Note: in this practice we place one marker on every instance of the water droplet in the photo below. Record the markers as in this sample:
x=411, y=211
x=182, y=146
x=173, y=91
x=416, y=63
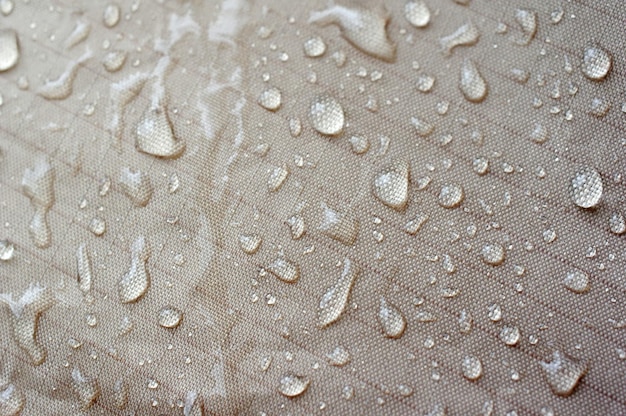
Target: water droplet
x=86, y=388
x=296, y=226
x=7, y=250
x=617, y=225
x=599, y=107
x=250, y=243
x=472, y=368
x=471, y=83
x=38, y=185
x=314, y=47
x=495, y=312
x=439, y=409
x=466, y=35
x=556, y=15
x=359, y=144
x=111, y=15
x=295, y=127
x=577, y=281
x=12, y=401
x=492, y=254
x=62, y=87
x=391, y=186
x=563, y=373
x=277, y=178
x=125, y=326
x=465, y=322
x=364, y=29
x=338, y=357
x=391, y=320
x=549, y=236
x=120, y=394
x=451, y=195
x=422, y=127
x=91, y=320
x=136, y=186
x=170, y=317
x=154, y=135
x=83, y=265
x=292, y=385
x=425, y=83
x=326, y=115
x=81, y=31
x=519, y=75
x=414, y=225
x=97, y=226
x=586, y=187
x=339, y=226
x=527, y=21
x=114, y=61
x=136, y=281
x=270, y=99
x=510, y=335
x=173, y=183
x=285, y=270
x=480, y=165
x=596, y=63
x=334, y=301
x=539, y=134
x=6, y=7
x=9, y=49
x=417, y=13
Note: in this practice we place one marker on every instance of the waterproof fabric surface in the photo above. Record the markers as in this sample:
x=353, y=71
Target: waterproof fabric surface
x=287, y=208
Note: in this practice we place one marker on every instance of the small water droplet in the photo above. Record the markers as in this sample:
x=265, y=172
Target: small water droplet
x=422, y=127
x=510, y=335
x=296, y=226
x=359, y=144
x=9, y=49
x=577, y=281
x=136, y=281
x=417, y=13
x=111, y=15
x=285, y=270
x=338, y=357
x=465, y=322
x=270, y=99
x=425, y=83
x=466, y=35
x=391, y=320
x=335, y=300
x=471, y=83
x=85, y=271
x=492, y=254
x=97, y=226
x=539, y=134
x=136, y=186
x=38, y=186
x=295, y=126
x=586, y=187
x=314, y=47
x=250, y=243
x=599, y=107
x=114, y=61
x=326, y=115
x=519, y=75
x=87, y=389
x=391, y=186
x=563, y=373
x=154, y=135
x=170, y=317
x=342, y=227
x=120, y=394
x=7, y=250
x=472, y=368
x=527, y=21
x=62, y=87
x=596, y=63
x=480, y=165
x=292, y=385
x=556, y=15
x=414, y=225
x=451, y=195
x=617, y=225
x=495, y=312
x=277, y=178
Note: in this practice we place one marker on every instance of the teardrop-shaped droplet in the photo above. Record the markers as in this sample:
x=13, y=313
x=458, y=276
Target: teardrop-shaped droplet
x=292, y=385
x=451, y=195
x=12, y=401
x=154, y=134
x=577, y=281
x=120, y=394
x=38, y=228
x=563, y=373
x=136, y=281
x=510, y=335
x=314, y=47
x=527, y=21
x=60, y=88
x=270, y=99
x=111, y=15
x=250, y=243
x=296, y=226
x=277, y=178
x=85, y=271
x=492, y=254
x=342, y=227
x=466, y=35
x=417, y=13
x=539, y=134
x=391, y=320
x=136, y=186
x=363, y=28
x=596, y=63
x=338, y=357
x=97, y=226
x=586, y=187
x=472, y=368
x=170, y=317
x=9, y=49
x=335, y=300
x=285, y=270
x=471, y=83
x=326, y=115
x=87, y=389
x=7, y=250
x=391, y=186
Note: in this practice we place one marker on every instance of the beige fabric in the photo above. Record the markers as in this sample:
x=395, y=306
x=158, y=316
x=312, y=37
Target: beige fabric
x=237, y=316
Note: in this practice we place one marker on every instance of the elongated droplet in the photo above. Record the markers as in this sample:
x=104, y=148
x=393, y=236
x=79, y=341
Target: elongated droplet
x=292, y=385
x=417, y=13
x=114, y=61
x=563, y=373
x=338, y=357
x=86, y=388
x=136, y=281
x=510, y=335
x=391, y=320
x=38, y=185
x=83, y=265
x=339, y=226
x=414, y=225
x=277, y=178
x=326, y=115
x=170, y=317
x=451, y=195
x=154, y=135
x=81, y=32
x=586, y=187
x=471, y=83
x=120, y=394
x=391, y=186
x=296, y=226
x=472, y=368
x=314, y=47
x=111, y=15
x=7, y=249
x=596, y=63
x=527, y=21
x=136, y=186
x=12, y=401
x=250, y=243
x=285, y=270
x=335, y=300
x=365, y=29
x=466, y=35
x=193, y=405
x=9, y=49
x=577, y=281
x=492, y=254
x=39, y=229
x=62, y=87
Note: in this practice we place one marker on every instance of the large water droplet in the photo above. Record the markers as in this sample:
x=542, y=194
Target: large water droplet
x=417, y=13
x=334, y=301
x=270, y=99
x=285, y=270
x=136, y=281
x=83, y=265
x=342, y=227
x=391, y=186
x=577, y=281
x=596, y=63
x=472, y=368
x=111, y=15
x=471, y=83
x=527, y=21
x=170, y=317
x=365, y=29
x=391, y=320
x=292, y=385
x=87, y=389
x=12, y=401
x=154, y=134
x=466, y=35
x=586, y=187
x=451, y=195
x=326, y=115
x=338, y=357
x=6, y=7
x=9, y=49
x=492, y=254
x=136, y=186
x=314, y=47
x=563, y=373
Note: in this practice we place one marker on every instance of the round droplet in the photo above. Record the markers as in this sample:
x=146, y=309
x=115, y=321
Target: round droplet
x=471, y=83
x=391, y=186
x=111, y=15
x=249, y=243
x=495, y=312
x=292, y=385
x=492, y=254
x=314, y=47
x=480, y=165
x=9, y=49
x=391, y=320
x=577, y=281
x=586, y=187
x=451, y=195
x=472, y=368
x=270, y=99
x=6, y=7
x=338, y=357
x=510, y=335
x=7, y=249
x=596, y=63
x=417, y=13
x=326, y=115
x=170, y=317
x=617, y=223
x=97, y=226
